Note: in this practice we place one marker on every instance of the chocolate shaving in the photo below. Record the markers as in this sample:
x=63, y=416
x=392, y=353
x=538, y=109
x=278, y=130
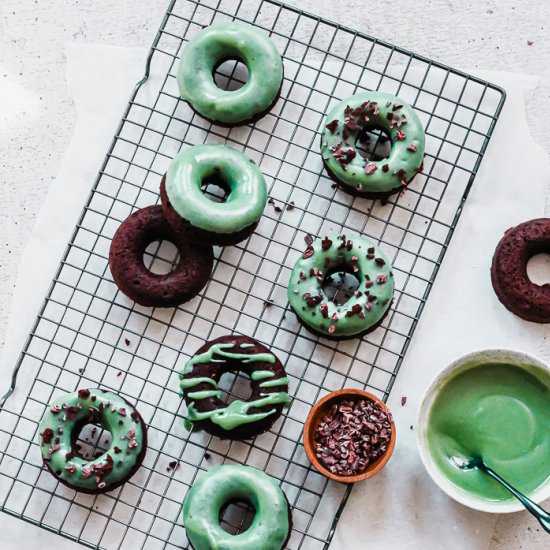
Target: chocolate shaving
x=332, y=126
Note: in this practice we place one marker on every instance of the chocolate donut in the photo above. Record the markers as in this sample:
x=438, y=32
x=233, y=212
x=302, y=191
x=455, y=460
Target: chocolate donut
x=509, y=270
x=238, y=419
x=61, y=425
x=140, y=284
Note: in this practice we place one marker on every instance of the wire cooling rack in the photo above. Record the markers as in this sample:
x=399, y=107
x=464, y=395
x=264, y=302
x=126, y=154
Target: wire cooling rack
x=89, y=334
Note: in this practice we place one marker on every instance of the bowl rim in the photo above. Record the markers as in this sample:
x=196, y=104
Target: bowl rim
x=309, y=427
x=458, y=494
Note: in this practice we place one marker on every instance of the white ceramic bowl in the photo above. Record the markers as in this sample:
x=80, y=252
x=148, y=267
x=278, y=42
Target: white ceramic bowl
x=460, y=495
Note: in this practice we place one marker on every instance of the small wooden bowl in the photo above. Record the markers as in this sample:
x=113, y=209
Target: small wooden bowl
x=316, y=414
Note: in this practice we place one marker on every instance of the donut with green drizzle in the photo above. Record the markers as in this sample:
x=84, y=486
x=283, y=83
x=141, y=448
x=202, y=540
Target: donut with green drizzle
x=215, y=489
x=348, y=123
x=61, y=425
x=368, y=305
x=239, y=419
x=193, y=215
x=209, y=49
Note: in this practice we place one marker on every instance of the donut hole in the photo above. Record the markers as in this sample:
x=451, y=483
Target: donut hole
x=236, y=516
x=215, y=189
x=230, y=75
x=161, y=257
x=538, y=269
x=235, y=385
x=340, y=283
x=373, y=143
x=90, y=441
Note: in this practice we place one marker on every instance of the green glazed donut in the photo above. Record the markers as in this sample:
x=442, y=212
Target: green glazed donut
x=219, y=486
x=364, y=311
x=59, y=429
x=189, y=210
x=207, y=50
x=357, y=175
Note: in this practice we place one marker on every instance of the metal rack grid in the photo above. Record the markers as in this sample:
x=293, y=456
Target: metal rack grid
x=89, y=334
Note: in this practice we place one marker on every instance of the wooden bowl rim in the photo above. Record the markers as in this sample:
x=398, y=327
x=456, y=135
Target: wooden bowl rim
x=309, y=428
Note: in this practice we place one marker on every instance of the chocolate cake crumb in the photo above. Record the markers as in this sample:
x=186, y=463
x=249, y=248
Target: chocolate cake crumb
x=127, y=342
x=403, y=400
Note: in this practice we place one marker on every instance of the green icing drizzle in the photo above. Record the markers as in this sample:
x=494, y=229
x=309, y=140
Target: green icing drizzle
x=236, y=413
x=283, y=381
x=261, y=374
x=219, y=349
x=197, y=395
x=186, y=383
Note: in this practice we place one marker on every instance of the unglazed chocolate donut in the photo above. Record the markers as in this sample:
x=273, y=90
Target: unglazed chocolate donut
x=207, y=50
x=239, y=419
x=509, y=270
x=193, y=215
x=61, y=425
x=140, y=284
x=369, y=178
x=365, y=310
x=272, y=523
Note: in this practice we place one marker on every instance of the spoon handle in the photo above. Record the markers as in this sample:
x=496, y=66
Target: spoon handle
x=542, y=515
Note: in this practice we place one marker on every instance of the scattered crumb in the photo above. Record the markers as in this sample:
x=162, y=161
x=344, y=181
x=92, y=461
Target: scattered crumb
x=411, y=428
x=81, y=370
x=206, y=456
x=290, y=205
x=126, y=341
x=403, y=400
x=119, y=373
x=173, y=465
x=268, y=302
x=530, y=42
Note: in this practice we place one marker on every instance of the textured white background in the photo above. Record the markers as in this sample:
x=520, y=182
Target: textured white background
x=466, y=34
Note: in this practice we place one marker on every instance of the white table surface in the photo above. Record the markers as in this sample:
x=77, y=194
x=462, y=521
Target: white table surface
x=491, y=34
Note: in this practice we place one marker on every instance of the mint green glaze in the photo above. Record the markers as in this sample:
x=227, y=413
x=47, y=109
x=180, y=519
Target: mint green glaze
x=236, y=413
x=500, y=412
x=359, y=313
x=219, y=486
x=186, y=383
x=115, y=415
x=196, y=395
x=261, y=374
x=406, y=155
x=215, y=44
x=248, y=191
x=283, y=381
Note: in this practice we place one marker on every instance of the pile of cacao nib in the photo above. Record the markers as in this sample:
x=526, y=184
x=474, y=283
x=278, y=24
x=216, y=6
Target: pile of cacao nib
x=352, y=435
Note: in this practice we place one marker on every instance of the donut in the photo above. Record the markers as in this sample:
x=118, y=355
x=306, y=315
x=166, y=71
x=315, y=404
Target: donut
x=209, y=49
x=509, y=270
x=213, y=490
x=238, y=419
x=363, y=311
x=192, y=214
x=140, y=284
x=61, y=425
x=350, y=119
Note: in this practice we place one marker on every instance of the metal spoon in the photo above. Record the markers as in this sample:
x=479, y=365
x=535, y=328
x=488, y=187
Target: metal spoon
x=477, y=462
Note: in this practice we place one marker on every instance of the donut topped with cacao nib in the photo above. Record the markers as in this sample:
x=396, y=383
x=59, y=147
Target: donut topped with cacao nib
x=239, y=419
x=509, y=270
x=349, y=123
x=366, y=307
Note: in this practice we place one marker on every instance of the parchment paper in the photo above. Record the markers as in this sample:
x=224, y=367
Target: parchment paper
x=401, y=507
